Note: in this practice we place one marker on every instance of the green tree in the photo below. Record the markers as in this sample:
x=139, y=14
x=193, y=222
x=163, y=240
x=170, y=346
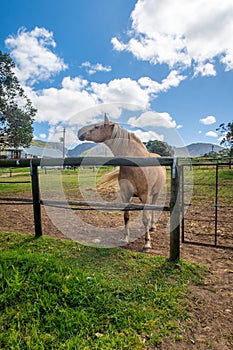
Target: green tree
x=159, y=147
x=226, y=130
x=16, y=110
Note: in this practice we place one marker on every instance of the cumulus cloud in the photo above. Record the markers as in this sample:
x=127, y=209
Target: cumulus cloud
x=74, y=101
x=94, y=68
x=32, y=52
x=77, y=94
x=172, y=80
x=208, y=120
x=184, y=33
x=123, y=90
x=59, y=104
x=152, y=118
x=43, y=136
x=146, y=136
x=56, y=132
x=205, y=69
x=179, y=126
x=211, y=134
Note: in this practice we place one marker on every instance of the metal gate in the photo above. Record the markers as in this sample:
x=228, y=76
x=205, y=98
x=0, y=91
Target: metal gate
x=207, y=219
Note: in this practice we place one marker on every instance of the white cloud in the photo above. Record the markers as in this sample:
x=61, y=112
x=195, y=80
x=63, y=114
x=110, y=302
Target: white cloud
x=227, y=59
x=172, y=80
x=32, y=53
x=94, y=68
x=73, y=103
x=43, y=136
x=123, y=90
x=35, y=61
x=77, y=94
x=151, y=118
x=181, y=32
x=146, y=136
x=56, y=133
x=59, y=105
x=74, y=84
x=203, y=69
x=211, y=134
x=208, y=120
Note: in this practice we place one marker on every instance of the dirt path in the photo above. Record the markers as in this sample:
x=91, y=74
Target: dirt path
x=212, y=302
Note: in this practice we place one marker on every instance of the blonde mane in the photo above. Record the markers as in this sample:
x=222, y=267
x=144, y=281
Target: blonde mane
x=122, y=138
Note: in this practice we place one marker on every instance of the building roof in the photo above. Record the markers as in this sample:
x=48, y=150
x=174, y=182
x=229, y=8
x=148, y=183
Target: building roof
x=41, y=152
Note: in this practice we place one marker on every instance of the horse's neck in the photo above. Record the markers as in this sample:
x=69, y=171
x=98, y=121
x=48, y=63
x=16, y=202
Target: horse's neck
x=126, y=144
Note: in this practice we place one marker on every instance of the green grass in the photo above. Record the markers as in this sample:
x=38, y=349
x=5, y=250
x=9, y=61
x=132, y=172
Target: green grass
x=57, y=294
x=49, y=181
x=204, y=184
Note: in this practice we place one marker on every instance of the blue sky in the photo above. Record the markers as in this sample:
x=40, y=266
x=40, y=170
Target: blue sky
x=164, y=67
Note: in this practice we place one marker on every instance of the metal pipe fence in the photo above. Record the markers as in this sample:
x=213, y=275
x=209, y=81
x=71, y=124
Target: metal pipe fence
x=211, y=205
x=174, y=206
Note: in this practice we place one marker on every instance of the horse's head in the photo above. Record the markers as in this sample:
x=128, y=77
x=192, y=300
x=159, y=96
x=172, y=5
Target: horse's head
x=99, y=132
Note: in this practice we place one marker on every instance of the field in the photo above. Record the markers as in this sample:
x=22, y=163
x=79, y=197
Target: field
x=60, y=295
x=201, y=321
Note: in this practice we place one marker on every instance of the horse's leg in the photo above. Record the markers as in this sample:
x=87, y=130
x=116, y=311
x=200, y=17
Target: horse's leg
x=146, y=218
x=126, y=192
x=146, y=221
x=153, y=201
x=127, y=234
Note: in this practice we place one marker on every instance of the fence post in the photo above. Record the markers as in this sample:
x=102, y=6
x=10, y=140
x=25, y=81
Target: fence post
x=36, y=200
x=175, y=213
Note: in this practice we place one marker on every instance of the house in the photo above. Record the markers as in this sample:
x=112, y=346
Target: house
x=30, y=152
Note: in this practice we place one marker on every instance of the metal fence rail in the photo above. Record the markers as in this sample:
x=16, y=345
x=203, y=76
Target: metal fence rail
x=216, y=228
x=174, y=206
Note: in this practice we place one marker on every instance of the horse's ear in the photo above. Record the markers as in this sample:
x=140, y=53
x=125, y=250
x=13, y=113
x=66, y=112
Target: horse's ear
x=106, y=120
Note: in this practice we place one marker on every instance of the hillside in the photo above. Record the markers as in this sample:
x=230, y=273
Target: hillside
x=193, y=150
x=80, y=149
x=49, y=145
x=197, y=149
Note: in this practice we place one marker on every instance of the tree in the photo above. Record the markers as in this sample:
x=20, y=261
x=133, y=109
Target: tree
x=226, y=130
x=159, y=147
x=16, y=110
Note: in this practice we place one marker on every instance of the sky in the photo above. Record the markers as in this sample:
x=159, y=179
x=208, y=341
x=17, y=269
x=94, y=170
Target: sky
x=164, y=69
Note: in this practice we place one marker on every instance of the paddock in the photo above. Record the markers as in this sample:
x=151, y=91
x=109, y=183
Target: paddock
x=98, y=161
x=217, y=230
x=212, y=301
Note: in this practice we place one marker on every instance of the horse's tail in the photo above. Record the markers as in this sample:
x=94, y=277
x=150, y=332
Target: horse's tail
x=109, y=180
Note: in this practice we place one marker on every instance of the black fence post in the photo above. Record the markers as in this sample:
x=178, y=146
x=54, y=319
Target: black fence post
x=36, y=200
x=175, y=214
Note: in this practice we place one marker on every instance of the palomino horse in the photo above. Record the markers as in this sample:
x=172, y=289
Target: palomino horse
x=144, y=183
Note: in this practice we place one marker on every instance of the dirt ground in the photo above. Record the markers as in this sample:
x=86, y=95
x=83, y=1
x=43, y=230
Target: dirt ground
x=212, y=302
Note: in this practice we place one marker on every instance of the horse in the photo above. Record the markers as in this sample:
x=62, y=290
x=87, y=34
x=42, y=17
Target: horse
x=145, y=183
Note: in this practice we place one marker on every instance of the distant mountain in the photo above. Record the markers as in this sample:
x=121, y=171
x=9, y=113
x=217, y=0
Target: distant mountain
x=91, y=149
x=192, y=150
x=48, y=145
x=80, y=149
x=196, y=149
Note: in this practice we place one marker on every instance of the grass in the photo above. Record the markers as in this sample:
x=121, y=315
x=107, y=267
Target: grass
x=57, y=294
x=70, y=179
x=204, y=184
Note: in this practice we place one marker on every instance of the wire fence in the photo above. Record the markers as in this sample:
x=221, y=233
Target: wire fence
x=208, y=219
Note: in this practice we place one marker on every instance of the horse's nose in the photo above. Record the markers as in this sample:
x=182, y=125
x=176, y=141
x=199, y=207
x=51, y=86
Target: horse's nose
x=81, y=136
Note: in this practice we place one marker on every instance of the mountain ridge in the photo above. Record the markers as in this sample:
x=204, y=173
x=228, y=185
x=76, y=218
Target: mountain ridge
x=193, y=150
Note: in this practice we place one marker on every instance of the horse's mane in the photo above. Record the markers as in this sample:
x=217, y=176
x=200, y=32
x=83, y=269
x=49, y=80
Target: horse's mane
x=122, y=137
